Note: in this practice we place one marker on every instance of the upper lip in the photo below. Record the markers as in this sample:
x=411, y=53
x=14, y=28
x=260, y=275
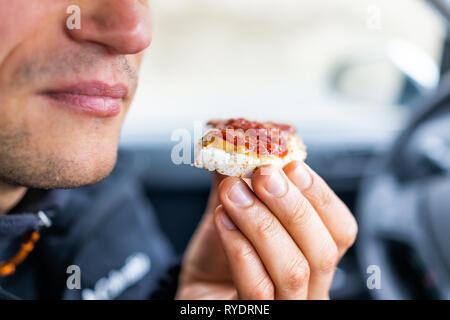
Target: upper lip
x=95, y=88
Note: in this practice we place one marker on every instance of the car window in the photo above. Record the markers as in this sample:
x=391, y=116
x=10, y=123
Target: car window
x=337, y=70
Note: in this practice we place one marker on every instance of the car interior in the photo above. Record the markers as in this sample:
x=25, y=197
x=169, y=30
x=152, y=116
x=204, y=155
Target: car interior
x=366, y=85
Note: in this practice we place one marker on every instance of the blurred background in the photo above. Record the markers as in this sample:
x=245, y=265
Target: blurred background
x=349, y=75
x=331, y=67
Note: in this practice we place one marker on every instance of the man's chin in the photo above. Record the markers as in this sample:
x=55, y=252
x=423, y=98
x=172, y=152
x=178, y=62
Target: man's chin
x=60, y=176
x=70, y=183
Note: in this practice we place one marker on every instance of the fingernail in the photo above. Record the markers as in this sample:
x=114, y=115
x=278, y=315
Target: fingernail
x=240, y=195
x=302, y=177
x=276, y=184
x=227, y=222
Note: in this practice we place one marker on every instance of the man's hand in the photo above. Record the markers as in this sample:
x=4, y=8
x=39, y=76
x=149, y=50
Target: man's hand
x=282, y=240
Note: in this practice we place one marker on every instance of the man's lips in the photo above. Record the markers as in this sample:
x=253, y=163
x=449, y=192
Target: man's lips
x=95, y=98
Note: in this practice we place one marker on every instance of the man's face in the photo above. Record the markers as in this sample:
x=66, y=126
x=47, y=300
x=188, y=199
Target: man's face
x=64, y=93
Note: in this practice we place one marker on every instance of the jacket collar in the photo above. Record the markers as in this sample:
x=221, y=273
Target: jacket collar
x=33, y=212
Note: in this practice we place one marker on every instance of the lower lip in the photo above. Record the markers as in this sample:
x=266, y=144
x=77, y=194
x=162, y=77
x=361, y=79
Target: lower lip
x=94, y=105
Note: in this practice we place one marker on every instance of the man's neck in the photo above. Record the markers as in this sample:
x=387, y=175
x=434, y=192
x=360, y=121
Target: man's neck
x=10, y=196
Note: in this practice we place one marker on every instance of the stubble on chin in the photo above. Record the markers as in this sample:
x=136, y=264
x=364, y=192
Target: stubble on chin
x=22, y=165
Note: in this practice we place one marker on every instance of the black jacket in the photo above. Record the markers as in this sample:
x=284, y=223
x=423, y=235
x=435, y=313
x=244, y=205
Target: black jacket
x=106, y=233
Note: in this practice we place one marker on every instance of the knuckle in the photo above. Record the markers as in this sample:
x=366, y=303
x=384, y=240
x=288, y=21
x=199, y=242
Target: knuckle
x=242, y=253
x=350, y=234
x=264, y=290
x=266, y=227
x=300, y=211
x=325, y=198
x=329, y=259
x=297, y=276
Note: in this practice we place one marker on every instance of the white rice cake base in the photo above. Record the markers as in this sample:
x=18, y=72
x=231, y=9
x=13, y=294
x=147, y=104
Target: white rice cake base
x=241, y=164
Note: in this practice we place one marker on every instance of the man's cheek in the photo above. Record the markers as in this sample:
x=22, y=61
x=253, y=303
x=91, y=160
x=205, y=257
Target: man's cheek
x=21, y=18
x=138, y=59
x=55, y=125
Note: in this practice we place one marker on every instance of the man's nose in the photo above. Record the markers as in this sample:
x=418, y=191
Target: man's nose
x=123, y=26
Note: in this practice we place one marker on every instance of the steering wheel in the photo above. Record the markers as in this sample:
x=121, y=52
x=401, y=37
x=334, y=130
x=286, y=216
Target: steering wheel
x=404, y=209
